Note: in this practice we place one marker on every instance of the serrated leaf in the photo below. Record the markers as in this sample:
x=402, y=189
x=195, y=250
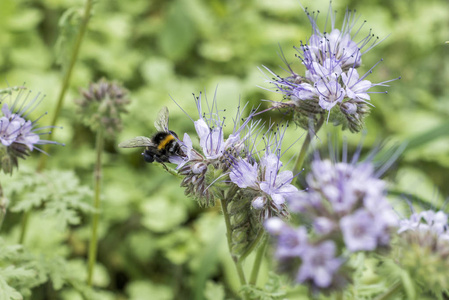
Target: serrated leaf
x=7, y=292
x=59, y=192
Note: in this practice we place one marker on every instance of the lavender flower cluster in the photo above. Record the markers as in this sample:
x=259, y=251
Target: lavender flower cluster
x=347, y=204
x=216, y=150
x=18, y=134
x=331, y=78
x=15, y=129
x=264, y=180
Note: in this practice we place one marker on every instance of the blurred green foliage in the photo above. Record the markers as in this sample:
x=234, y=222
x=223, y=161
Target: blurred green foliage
x=153, y=240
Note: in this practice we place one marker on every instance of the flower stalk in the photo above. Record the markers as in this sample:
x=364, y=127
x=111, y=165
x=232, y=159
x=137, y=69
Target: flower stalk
x=65, y=84
x=93, y=246
x=305, y=146
x=237, y=262
x=68, y=75
x=3, y=206
x=258, y=260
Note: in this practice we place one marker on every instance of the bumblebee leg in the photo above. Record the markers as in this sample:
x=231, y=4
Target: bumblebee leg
x=148, y=157
x=165, y=167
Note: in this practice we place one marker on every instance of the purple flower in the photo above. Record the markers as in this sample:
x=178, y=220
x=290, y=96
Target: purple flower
x=319, y=264
x=16, y=129
x=330, y=82
x=245, y=174
x=209, y=128
x=209, y=165
x=269, y=186
x=276, y=183
x=356, y=88
x=18, y=135
x=291, y=242
x=347, y=200
x=428, y=220
x=359, y=231
x=331, y=93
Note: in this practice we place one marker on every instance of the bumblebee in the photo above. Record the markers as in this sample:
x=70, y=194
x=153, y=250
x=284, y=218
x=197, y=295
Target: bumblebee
x=161, y=146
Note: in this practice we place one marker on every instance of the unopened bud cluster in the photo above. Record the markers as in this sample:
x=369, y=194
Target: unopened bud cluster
x=423, y=250
x=101, y=106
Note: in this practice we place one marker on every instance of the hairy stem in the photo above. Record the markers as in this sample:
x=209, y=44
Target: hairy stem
x=3, y=206
x=68, y=75
x=237, y=263
x=65, y=84
x=258, y=261
x=97, y=191
x=390, y=292
x=305, y=146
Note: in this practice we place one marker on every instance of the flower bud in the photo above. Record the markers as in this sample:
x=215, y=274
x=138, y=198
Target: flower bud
x=101, y=106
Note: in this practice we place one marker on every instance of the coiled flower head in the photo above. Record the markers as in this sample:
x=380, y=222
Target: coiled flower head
x=19, y=135
x=101, y=106
x=331, y=86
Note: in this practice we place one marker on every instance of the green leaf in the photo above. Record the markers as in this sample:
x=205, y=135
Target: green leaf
x=428, y=136
x=214, y=291
x=138, y=290
x=177, y=36
x=59, y=192
x=7, y=292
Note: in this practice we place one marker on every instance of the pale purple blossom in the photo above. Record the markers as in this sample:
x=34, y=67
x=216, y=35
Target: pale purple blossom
x=216, y=151
x=429, y=220
x=210, y=132
x=323, y=225
x=356, y=88
x=16, y=129
x=330, y=81
x=359, y=231
x=347, y=200
x=245, y=174
x=276, y=183
x=331, y=93
x=269, y=184
x=319, y=264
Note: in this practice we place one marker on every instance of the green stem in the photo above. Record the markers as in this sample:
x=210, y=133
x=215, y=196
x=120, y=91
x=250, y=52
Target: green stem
x=65, y=84
x=305, y=146
x=3, y=206
x=258, y=261
x=24, y=226
x=67, y=76
x=237, y=263
x=390, y=292
x=97, y=187
x=339, y=295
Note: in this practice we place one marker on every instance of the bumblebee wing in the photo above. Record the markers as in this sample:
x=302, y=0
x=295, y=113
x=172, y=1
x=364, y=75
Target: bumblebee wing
x=161, y=122
x=139, y=141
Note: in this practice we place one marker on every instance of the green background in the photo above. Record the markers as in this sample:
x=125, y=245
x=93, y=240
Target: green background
x=154, y=240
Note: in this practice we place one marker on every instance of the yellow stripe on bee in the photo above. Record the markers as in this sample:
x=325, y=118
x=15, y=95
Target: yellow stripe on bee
x=165, y=141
